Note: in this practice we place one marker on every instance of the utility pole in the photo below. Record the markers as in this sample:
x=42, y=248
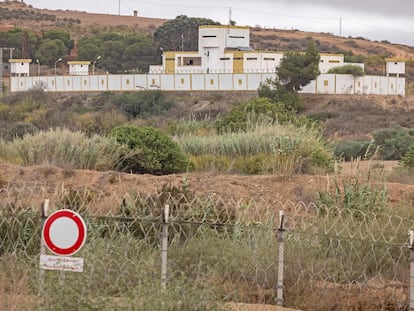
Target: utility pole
x=1, y=66
x=230, y=13
x=340, y=26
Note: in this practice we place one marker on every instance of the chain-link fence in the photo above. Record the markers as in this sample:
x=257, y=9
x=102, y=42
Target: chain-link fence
x=214, y=254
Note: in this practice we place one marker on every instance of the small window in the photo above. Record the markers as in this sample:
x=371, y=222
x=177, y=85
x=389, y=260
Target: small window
x=225, y=58
x=182, y=80
x=236, y=37
x=325, y=82
x=240, y=82
x=211, y=82
x=251, y=58
x=269, y=58
x=209, y=36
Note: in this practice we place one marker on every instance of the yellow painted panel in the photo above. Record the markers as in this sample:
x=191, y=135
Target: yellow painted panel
x=238, y=64
x=170, y=66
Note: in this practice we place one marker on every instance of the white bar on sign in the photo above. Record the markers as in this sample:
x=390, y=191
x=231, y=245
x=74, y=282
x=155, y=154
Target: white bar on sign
x=62, y=263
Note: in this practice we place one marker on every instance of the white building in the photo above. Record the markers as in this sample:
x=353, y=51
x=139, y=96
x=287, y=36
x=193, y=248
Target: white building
x=19, y=67
x=395, y=67
x=79, y=68
x=226, y=49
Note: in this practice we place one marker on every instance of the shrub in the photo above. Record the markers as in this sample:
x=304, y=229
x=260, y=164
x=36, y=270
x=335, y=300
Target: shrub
x=393, y=142
x=139, y=104
x=155, y=152
x=407, y=160
x=251, y=113
x=19, y=129
x=354, y=70
x=352, y=149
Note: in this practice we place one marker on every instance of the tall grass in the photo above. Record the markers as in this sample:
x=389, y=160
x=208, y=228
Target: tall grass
x=268, y=147
x=66, y=149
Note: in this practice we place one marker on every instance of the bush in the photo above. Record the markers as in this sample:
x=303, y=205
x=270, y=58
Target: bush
x=407, y=160
x=394, y=143
x=138, y=104
x=354, y=70
x=155, y=152
x=251, y=113
x=352, y=149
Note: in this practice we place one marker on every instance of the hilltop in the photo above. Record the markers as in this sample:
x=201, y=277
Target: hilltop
x=78, y=23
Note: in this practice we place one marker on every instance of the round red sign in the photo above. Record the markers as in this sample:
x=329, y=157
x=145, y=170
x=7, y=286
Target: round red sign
x=64, y=232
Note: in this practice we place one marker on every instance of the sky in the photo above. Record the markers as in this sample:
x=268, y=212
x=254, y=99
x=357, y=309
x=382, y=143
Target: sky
x=372, y=19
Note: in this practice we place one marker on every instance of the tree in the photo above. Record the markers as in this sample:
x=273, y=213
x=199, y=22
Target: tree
x=119, y=52
x=354, y=70
x=295, y=71
x=50, y=50
x=180, y=33
x=60, y=35
x=298, y=69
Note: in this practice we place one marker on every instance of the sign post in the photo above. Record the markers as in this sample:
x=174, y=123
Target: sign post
x=64, y=234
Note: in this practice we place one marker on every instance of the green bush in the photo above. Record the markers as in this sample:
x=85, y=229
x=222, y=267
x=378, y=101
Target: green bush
x=19, y=129
x=394, y=143
x=138, y=104
x=407, y=160
x=352, y=149
x=354, y=70
x=155, y=152
x=245, y=115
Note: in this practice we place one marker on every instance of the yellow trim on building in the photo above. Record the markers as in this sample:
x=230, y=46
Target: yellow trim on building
x=398, y=60
x=224, y=26
x=20, y=60
x=79, y=62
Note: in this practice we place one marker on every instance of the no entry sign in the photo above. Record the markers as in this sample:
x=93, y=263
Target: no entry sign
x=64, y=232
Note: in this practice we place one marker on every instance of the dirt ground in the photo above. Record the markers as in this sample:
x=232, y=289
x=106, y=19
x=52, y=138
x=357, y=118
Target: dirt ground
x=42, y=181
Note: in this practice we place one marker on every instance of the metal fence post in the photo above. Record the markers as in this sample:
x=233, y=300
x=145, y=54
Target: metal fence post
x=44, y=209
x=164, y=246
x=411, y=247
x=281, y=240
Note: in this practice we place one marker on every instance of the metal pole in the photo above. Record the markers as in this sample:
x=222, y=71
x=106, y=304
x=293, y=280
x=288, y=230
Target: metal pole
x=281, y=240
x=44, y=209
x=411, y=247
x=164, y=246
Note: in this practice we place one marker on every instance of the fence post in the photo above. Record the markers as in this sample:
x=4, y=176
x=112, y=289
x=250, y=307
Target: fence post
x=411, y=247
x=281, y=240
x=164, y=246
x=44, y=209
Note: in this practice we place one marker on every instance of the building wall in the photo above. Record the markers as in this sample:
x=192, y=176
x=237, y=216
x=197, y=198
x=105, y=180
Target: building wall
x=395, y=68
x=324, y=84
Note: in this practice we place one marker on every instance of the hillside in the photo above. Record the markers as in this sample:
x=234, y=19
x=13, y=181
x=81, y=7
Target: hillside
x=263, y=39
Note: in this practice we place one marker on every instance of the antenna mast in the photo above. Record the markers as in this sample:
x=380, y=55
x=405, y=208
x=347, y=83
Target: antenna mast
x=230, y=20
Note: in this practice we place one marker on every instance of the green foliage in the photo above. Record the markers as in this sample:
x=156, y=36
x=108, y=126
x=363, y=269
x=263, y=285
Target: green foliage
x=67, y=149
x=139, y=104
x=180, y=31
x=352, y=149
x=353, y=194
x=266, y=147
x=279, y=94
x=155, y=152
x=407, y=161
x=244, y=116
x=63, y=36
x=298, y=69
x=394, y=143
x=14, y=39
x=119, y=52
x=354, y=70
x=19, y=129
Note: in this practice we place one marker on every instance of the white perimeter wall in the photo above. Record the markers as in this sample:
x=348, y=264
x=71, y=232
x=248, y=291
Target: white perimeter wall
x=324, y=84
